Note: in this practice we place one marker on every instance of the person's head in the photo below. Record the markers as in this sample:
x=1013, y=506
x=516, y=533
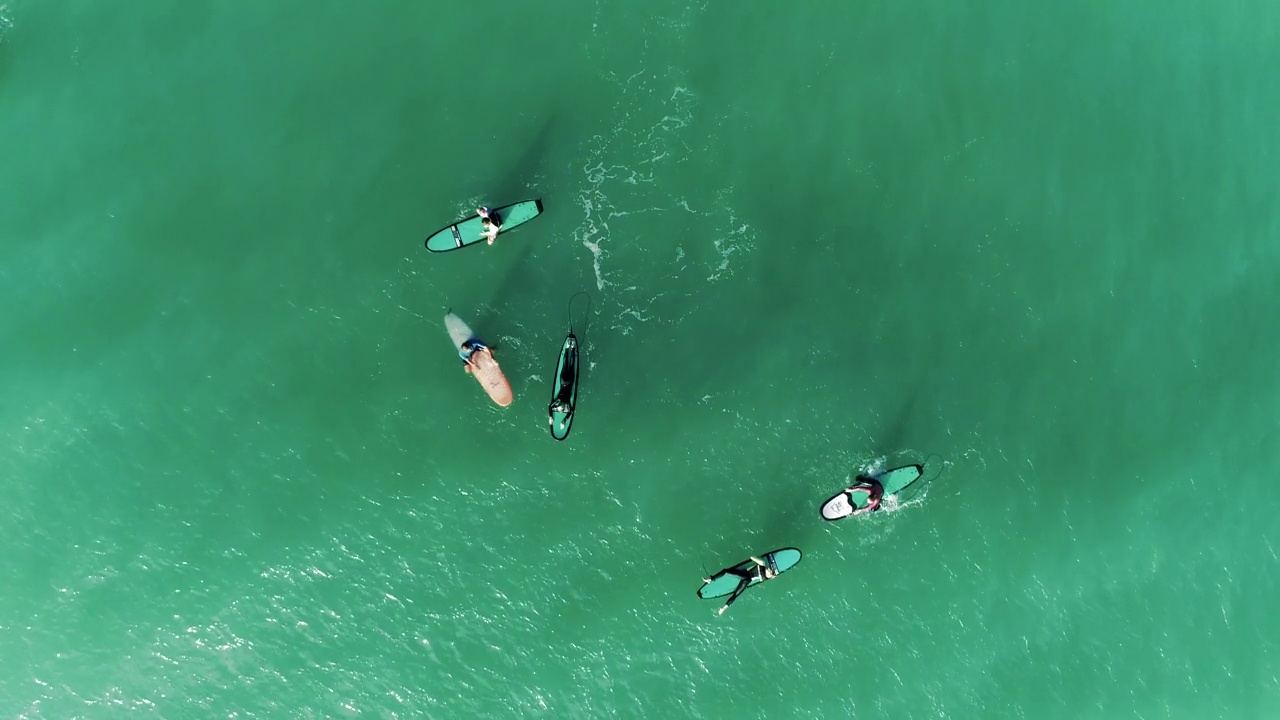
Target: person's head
x=485, y=222
x=768, y=572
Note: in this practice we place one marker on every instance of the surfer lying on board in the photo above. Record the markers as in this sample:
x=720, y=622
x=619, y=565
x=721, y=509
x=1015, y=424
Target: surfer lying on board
x=468, y=351
x=490, y=223
x=875, y=492
x=760, y=572
x=565, y=394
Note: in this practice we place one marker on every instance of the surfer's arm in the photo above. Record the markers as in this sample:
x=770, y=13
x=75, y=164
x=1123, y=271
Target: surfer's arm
x=757, y=561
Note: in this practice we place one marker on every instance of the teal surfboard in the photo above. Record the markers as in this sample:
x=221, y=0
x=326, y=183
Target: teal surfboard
x=565, y=388
x=725, y=582
x=852, y=499
x=468, y=231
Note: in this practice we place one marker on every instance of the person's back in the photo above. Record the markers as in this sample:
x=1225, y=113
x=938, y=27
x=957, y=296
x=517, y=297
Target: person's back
x=490, y=223
x=875, y=493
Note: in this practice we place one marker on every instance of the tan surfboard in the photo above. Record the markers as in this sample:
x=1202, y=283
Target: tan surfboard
x=483, y=365
x=489, y=373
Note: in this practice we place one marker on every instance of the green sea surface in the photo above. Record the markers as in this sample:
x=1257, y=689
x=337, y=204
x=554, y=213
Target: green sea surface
x=242, y=474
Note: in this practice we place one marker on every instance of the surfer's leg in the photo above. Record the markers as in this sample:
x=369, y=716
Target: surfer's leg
x=743, y=584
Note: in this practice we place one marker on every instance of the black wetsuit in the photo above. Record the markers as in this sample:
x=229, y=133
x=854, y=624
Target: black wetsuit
x=567, y=377
x=745, y=580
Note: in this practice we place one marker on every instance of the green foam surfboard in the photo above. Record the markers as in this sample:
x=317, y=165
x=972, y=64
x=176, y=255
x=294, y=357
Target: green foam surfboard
x=468, y=231
x=725, y=582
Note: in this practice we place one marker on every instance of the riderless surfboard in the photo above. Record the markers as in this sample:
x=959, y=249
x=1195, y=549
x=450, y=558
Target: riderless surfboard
x=483, y=367
x=854, y=498
x=468, y=231
x=725, y=582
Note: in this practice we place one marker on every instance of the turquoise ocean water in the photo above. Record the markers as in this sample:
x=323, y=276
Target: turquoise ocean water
x=243, y=476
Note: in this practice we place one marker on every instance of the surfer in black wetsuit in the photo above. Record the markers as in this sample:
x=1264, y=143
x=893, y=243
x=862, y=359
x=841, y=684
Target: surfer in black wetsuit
x=761, y=572
x=875, y=493
x=490, y=223
x=565, y=394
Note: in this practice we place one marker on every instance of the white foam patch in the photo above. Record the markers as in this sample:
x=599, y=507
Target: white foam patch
x=616, y=192
x=605, y=181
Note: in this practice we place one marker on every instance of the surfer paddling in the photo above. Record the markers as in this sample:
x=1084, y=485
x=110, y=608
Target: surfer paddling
x=490, y=223
x=568, y=376
x=875, y=493
x=761, y=572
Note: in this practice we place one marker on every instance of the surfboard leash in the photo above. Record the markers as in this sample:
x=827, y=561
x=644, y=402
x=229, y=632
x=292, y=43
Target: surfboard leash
x=586, y=317
x=940, y=470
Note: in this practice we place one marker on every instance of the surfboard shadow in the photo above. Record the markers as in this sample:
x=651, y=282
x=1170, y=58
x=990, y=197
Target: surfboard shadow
x=6, y=60
x=779, y=515
x=528, y=303
x=520, y=179
x=791, y=518
x=495, y=318
x=895, y=434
